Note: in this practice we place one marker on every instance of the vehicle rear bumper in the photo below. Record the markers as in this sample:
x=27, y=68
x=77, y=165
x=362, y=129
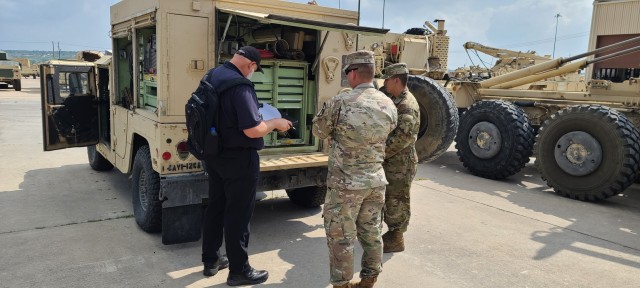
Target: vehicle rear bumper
x=183, y=196
x=192, y=188
x=276, y=172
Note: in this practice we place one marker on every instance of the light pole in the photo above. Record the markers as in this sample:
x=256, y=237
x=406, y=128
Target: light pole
x=553, y=55
x=384, y=2
x=359, y=12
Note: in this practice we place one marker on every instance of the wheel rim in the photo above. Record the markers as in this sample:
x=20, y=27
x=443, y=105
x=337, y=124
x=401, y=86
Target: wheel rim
x=578, y=153
x=142, y=190
x=485, y=140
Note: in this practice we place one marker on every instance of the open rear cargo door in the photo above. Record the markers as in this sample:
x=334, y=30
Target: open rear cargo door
x=69, y=105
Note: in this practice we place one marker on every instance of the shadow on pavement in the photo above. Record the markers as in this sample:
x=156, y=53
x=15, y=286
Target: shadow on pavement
x=64, y=195
x=286, y=240
x=613, y=224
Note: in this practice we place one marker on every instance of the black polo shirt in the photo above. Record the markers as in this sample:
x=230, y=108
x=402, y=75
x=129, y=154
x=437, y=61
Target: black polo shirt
x=239, y=107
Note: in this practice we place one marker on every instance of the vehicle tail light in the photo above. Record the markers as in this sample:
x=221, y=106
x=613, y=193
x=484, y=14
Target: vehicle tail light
x=166, y=156
x=183, y=150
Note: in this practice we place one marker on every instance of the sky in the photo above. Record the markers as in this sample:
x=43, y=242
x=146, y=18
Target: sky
x=520, y=25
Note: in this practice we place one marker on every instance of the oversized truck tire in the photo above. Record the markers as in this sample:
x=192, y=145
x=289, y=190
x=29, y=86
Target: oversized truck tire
x=145, y=183
x=495, y=139
x=438, y=117
x=97, y=161
x=588, y=152
x=310, y=197
x=17, y=84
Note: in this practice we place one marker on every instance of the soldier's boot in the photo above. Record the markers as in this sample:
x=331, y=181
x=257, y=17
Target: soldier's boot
x=392, y=241
x=365, y=282
x=348, y=285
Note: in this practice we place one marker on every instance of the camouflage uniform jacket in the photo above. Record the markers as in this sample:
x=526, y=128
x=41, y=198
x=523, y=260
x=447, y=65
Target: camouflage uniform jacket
x=358, y=122
x=402, y=140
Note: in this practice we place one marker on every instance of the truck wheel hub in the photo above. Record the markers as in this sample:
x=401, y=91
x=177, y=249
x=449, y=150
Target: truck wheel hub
x=485, y=140
x=578, y=153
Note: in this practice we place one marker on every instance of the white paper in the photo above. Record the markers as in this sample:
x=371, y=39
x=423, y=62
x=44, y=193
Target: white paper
x=269, y=112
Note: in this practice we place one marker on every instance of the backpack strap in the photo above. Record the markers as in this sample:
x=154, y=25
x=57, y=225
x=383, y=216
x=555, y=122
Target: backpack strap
x=233, y=82
x=227, y=84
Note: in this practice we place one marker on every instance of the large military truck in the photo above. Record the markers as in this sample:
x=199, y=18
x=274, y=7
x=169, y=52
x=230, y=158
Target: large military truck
x=587, y=146
x=128, y=108
x=582, y=132
x=10, y=73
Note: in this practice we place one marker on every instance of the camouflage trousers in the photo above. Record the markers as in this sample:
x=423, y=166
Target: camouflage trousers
x=351, y=214
x=400, y=171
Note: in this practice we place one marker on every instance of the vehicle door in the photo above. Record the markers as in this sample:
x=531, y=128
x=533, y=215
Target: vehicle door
x=69, y=105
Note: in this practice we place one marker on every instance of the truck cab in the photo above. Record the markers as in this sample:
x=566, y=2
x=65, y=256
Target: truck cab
x=128, y=108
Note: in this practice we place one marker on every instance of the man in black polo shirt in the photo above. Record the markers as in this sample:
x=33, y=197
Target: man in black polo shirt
x=233, y=175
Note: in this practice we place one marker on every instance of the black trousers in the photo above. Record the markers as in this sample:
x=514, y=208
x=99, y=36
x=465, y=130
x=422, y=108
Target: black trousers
x=232, y=194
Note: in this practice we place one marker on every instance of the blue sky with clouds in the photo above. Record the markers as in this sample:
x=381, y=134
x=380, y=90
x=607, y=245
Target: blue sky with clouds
x=512, y=24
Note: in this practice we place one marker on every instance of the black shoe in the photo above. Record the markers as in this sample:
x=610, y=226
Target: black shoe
x=249, y=277
x=212, y=268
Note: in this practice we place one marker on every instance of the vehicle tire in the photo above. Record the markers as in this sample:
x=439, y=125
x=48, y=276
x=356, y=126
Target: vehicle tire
x=34, y=76
x=97, y=161
x=145, y=184
x=17, y=84
x=438, y=117
x=588, y=152
x=495, y=139
x=310, y=197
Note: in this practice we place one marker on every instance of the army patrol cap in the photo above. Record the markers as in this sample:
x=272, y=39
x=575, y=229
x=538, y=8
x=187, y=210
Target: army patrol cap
x=394, y=69
x=358, y=57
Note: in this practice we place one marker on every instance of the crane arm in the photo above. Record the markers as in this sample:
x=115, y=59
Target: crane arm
x=502, y=53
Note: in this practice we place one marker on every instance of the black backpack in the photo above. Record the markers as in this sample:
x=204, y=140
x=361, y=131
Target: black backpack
x=203, y=114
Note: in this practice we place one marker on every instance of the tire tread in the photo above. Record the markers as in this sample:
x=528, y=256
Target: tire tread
x=521, y=149
x=151, y=219
x=624, y=129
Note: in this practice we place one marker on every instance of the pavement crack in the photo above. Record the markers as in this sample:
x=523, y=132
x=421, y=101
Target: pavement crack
x=68, y=224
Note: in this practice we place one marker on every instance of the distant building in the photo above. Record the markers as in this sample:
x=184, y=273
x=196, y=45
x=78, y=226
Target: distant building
x=614, y=21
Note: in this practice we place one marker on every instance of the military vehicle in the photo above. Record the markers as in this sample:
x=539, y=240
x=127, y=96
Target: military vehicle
x=587, y=146
x=128, y=108
x=10, y=73
x=28, y=69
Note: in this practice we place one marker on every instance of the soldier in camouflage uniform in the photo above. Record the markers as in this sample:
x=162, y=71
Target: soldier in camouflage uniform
x=401, y=157
x=358, y=123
